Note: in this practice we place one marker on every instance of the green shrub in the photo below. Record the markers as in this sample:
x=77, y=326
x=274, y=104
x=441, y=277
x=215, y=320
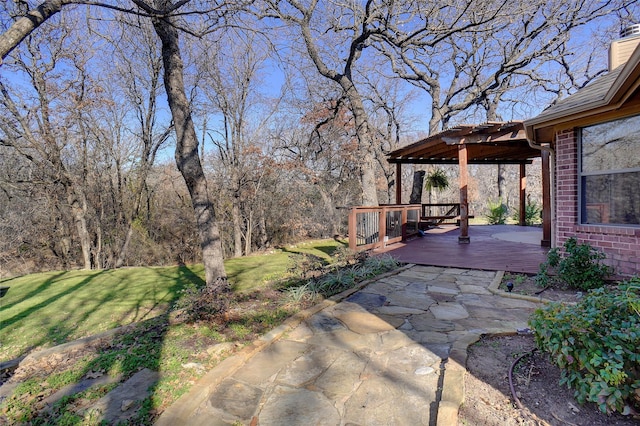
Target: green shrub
x=532, y=214
x=498, y=213
x=580, y=266
x=595, y=343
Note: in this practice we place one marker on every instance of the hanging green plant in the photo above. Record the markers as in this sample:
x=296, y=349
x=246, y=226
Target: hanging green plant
x=436, y=179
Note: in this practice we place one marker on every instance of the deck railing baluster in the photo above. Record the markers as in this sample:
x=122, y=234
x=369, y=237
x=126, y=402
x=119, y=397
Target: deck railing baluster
x=371, y=227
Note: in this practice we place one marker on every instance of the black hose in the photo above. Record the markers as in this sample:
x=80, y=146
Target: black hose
x=513, y=389
x=540, y=292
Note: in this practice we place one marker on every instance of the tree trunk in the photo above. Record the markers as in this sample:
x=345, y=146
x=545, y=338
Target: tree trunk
x=501, y=181
x=187, y=158
x=78, y=210
x=416, y=191
x=135, y=211
x=365, y=144
x=248, y=236
x=263, y=239
x=119, y=263
x=329, y=208
x=237, y=227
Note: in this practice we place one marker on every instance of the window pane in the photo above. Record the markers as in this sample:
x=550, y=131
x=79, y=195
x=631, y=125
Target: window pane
x=611, y=146
x=611, y=198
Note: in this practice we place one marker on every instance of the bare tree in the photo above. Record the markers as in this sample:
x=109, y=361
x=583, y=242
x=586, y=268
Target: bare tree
x=229, y=76
x=186, y=155
x=26, y=21
x=319, y=156
x=334, y=37
x=391, y=118
x=49, y=130
x=33, y=231
x=507, y=45
x=469, y=56
x=164, y=14
x=136, y=69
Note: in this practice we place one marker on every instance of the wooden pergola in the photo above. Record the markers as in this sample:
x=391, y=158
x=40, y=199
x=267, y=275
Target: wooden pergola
x=490, y=143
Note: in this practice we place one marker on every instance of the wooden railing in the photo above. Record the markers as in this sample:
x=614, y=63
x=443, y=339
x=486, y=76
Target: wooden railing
x=372, y=227
x=438, y=214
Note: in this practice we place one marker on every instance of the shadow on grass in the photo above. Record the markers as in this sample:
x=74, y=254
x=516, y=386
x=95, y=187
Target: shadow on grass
x=32, y=309
x=138, y=346
x=153, y=345
x=143, y=346
x=45, y=285
x=185, y=278
x=329, y=250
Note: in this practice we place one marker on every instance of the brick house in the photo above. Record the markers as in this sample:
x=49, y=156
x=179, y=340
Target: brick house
x=593, y=141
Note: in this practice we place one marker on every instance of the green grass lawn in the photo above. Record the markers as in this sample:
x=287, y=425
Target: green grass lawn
x=42, y=310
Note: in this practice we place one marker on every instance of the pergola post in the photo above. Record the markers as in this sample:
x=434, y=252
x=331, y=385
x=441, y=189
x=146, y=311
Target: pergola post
x=523, y=195
x=464, y=200
x=398, y=183
x=546, y=200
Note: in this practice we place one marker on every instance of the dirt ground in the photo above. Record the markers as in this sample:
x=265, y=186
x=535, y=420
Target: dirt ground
x=526, y=285
x=488, y=396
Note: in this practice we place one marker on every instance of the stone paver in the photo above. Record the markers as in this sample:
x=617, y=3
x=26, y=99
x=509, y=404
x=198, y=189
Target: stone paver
x=391, y=353
x=117, y=407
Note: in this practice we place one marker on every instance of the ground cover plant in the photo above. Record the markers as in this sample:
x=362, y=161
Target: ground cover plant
x=159, y=335
x=532, y=214
x=595, y=343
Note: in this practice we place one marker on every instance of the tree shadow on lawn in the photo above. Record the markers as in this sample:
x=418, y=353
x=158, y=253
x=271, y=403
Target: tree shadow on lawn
x=74, y=299
x=329, y=250
x=104, y=362
x=30, y=310
x=46, y=284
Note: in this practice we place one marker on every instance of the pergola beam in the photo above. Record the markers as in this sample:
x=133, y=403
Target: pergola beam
x=505, y=136
x=454, y=161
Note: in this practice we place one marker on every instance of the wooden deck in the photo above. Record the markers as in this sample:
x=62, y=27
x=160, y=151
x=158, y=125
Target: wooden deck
x=493, y=247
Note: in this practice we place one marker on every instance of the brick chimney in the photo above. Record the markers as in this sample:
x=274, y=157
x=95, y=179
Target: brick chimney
x=621, y=49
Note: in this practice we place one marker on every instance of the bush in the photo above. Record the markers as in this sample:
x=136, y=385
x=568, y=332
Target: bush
x=595, y=343
x=580, y=266
x=204, y=303
x=305, y=265
x=532, y=214
x=498, y=213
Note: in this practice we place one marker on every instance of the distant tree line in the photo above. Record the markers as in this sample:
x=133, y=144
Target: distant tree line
x=278, y=115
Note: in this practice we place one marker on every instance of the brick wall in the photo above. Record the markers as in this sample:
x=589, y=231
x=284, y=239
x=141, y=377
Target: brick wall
x=621, y=244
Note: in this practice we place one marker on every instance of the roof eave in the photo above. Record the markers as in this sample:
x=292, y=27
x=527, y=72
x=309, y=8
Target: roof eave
x=622, y=87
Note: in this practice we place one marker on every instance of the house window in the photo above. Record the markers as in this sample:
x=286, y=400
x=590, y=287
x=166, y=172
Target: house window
x=610, y=173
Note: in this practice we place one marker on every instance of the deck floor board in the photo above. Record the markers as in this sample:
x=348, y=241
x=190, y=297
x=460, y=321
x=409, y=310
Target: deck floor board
x=487, y=249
